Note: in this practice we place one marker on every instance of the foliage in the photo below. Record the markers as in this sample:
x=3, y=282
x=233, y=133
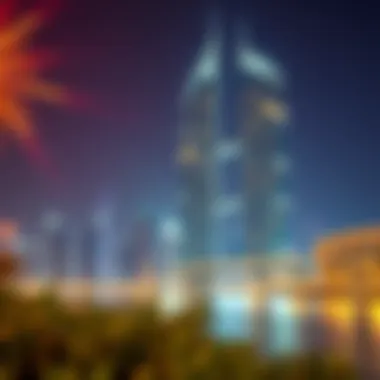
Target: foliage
x=43, y=339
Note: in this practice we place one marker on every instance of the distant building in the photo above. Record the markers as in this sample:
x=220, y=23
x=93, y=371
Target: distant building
x=89, y=251
x=349, y=267
x=139, y=249
x=58, y=246
x=9, y=235
x=55, y=241
x=351, y=252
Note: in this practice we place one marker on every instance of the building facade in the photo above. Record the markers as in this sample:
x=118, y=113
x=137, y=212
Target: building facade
x=232, y=153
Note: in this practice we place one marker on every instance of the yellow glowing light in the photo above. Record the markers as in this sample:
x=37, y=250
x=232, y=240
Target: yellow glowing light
x=188, y=155
x=374, y=314
x=20, y=77
x=341, y=311
x=274, y=111
x=375, y=311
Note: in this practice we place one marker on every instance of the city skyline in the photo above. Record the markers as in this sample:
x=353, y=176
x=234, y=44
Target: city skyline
x=333, y=86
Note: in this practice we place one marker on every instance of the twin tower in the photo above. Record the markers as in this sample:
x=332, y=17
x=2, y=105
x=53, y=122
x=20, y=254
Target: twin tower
x=232, y=154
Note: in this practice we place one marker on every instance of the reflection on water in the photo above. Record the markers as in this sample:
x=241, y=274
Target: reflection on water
x=231, y=317
x=283, y=327
x=280, y=329
x=235, y=318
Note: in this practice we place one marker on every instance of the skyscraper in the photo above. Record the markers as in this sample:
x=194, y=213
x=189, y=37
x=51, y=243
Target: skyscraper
x=56, y=241
x=138, y=251
x=232, y=150
x=58, y=246
x=89, y=250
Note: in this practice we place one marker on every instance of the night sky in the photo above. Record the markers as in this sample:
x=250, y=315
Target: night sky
x=132, y=57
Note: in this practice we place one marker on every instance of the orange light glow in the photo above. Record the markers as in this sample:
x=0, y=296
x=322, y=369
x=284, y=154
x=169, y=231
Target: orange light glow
x=374, y=314
x=341, y=312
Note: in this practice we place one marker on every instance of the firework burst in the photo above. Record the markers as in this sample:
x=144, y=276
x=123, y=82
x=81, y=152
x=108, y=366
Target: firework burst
x=22, y=73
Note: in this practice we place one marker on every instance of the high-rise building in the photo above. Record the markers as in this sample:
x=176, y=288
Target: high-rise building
x=56, y=241
x=138, y=251
x=58, y=246
x=232, y=154
x=89, y=251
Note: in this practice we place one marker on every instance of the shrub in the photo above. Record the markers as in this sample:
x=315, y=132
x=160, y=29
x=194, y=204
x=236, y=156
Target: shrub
x=43, y=336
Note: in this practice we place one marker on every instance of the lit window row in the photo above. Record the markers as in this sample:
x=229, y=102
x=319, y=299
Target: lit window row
x=208, y=65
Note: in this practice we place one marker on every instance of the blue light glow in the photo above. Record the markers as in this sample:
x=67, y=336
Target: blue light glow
x=232, y=317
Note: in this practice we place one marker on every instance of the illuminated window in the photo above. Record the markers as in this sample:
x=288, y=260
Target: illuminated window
x=208, y=65
x=229, y=150
x=259, y=66
x=189, y=155
x=374, y=315
x=274, y=111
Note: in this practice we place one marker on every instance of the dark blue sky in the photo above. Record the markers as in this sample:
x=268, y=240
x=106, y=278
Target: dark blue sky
x=133, y=57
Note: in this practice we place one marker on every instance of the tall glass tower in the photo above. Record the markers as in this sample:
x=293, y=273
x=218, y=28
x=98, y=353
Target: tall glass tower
x=232, y=153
